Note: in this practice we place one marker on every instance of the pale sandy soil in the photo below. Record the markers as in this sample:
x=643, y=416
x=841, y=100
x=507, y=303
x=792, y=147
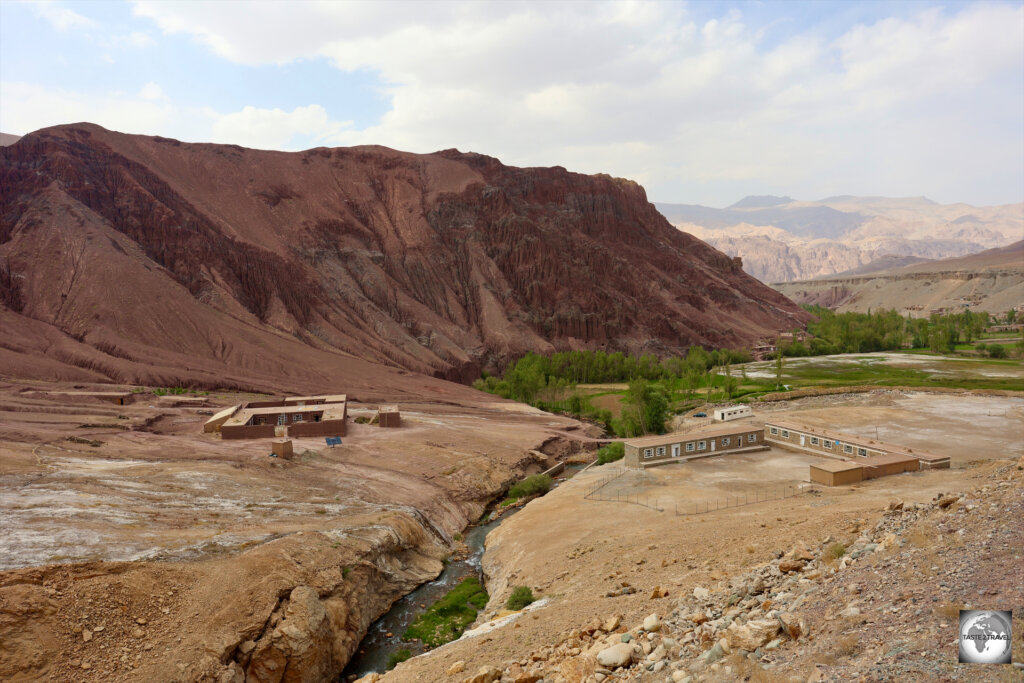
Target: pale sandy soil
x=172, y=492
x=575, y=551
x=964, y=368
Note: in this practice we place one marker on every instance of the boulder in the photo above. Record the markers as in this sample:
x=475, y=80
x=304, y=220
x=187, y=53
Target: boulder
x=714, y=654
x=456, y=668
x=657, y=654
x=528, y=677
x=701, y=593
x=577, y=669
x=486, y=674
x=787, y=566
x=790, y=625
x=652, y=623
x=616, y=656
x=800, y=552
x=611, y=623
x=751, y=635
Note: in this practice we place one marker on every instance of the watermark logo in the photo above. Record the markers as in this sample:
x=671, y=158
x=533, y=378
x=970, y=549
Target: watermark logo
x=985, y=636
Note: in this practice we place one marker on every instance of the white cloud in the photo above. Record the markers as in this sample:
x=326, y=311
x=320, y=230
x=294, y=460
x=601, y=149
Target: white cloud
x=134, y=39
x=152, y=91
x=277, y=129
x=61, y=18
x=699, y=110
x=151, y=112
x=145, y=113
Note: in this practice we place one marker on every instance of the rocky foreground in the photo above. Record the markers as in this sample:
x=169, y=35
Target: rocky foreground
x=884, y=608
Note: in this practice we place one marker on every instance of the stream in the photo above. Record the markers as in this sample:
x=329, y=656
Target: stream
x=385, y=635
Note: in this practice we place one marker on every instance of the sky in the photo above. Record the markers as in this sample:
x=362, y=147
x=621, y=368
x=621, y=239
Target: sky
x=701, y=102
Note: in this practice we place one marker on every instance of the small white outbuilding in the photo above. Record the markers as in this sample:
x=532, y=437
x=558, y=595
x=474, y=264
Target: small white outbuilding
x=732, y=413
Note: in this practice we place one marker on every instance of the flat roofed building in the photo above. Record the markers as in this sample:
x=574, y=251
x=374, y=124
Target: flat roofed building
x=219, y=418
x=657, y=450
x=732, y=413
x=893, y=463
x=388, y=416
x=837, y=472
x=293, y=416
x=119, y=397
x=825, y=442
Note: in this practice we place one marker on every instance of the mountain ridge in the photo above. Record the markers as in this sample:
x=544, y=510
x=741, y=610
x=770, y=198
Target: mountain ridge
x=440, y=264
x=806, y=240
x=991, y=280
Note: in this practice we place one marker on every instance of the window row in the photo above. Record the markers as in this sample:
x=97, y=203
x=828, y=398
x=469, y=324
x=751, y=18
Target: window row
x=692, y=446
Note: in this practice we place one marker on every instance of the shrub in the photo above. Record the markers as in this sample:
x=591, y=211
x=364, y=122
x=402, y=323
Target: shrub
x=610, y=453
x=520, y=598
x=397, y=657
x=996, y=351
x=538, y=484
x=837, y=550
x=447, y=618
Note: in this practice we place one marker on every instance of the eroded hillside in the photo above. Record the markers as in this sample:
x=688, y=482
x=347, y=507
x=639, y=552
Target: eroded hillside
x=144, y=259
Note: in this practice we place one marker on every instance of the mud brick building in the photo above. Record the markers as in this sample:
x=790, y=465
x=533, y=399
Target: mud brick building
x=857, y=458
x=293, y=416
x=821, y=441
x=388, y=416
x=678, y=446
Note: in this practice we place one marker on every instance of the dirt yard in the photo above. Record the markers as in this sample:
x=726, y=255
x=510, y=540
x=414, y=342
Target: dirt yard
x=582, y=553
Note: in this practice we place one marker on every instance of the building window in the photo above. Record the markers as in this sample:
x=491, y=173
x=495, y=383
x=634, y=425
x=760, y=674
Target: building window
x=648, y=452
x=725, y=441
x=827, y=444
x=702, y=445
x=282, y=419
x=861, y=451
x=316, y=417
x=690, y=447
x=775, y=431
x=785, y=433
x=848, y=448
x=661, y=451
x=297, y=417
x=814, y=441
x=751, y=438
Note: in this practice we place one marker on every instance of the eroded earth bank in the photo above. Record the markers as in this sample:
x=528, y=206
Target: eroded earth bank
x=134, y=547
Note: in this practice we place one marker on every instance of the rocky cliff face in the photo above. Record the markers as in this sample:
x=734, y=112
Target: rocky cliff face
x=146, y=259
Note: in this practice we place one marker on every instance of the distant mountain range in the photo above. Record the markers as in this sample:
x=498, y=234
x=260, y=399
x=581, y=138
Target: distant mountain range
x=781, y=239
x=992, y=281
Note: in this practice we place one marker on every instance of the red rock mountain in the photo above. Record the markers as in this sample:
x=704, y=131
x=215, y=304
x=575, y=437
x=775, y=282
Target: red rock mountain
x=144, y=259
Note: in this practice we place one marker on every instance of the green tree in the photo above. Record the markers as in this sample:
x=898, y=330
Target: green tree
x=730, y=385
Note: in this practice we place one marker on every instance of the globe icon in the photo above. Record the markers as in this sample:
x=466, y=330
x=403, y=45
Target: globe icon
x=985, y=637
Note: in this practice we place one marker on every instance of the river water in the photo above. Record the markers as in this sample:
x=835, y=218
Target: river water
x=385, y=634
